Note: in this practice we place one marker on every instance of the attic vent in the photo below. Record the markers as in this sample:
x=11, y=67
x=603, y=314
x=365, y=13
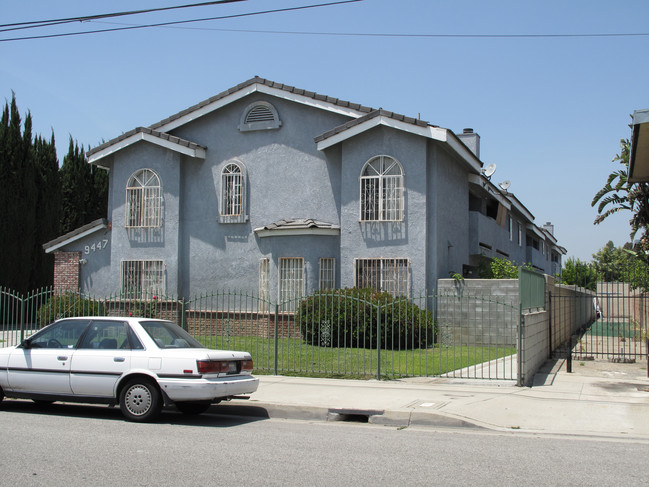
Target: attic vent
x=260, y=115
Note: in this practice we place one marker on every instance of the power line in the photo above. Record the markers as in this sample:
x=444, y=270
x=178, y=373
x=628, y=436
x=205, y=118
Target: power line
x=46, y=23
x=178, y=22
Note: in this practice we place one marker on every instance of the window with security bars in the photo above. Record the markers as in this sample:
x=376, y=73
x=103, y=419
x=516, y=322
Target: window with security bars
x=327, y=278
x=143, y=200
x=291, y=281
x=142, y=279
x=387, y=275
x=232, y=190
x=381, y=197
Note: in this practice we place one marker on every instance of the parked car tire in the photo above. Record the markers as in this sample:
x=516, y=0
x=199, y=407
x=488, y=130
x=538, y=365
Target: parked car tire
x=193, y=407
x=140, y=400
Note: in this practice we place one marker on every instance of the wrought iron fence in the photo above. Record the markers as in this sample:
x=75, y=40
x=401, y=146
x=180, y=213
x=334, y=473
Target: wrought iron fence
x=338, y=333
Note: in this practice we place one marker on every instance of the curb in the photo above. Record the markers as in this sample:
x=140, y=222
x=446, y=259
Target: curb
x=395, y=418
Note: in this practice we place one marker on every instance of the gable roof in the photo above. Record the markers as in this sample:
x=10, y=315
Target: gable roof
x=269, y=87
x=142, y=133
x=75, y=234
x=399, y=122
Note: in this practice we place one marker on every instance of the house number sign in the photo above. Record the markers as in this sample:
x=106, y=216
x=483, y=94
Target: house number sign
x=100, y=245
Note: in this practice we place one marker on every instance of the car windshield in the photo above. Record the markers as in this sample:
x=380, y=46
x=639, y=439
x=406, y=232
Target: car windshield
x=168, y=335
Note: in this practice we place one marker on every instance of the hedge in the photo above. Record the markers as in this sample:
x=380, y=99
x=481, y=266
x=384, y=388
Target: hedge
x=349, y=318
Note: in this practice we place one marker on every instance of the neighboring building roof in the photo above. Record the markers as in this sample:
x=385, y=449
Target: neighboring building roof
x=142, y=133
x=399, y=122
x=639, y=156
x=74, y=235
x=303, y=226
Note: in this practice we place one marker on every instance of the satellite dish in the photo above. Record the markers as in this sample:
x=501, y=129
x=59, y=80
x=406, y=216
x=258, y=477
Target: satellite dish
x=505, y=185
x=489, y=170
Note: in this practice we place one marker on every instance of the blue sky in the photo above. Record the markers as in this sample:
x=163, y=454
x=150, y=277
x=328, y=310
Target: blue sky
x=550, y=110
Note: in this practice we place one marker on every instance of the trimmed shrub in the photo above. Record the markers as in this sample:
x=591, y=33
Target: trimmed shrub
x=66, y=305
x=350, y=317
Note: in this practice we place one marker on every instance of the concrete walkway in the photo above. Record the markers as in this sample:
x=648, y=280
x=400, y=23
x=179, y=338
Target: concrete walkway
x=597, y=399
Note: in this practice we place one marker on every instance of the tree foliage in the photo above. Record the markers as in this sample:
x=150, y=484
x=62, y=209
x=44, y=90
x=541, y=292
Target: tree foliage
x=619, y=194
x=31, y=196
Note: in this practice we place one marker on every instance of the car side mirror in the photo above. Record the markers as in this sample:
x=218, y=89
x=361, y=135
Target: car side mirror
x=26, y=343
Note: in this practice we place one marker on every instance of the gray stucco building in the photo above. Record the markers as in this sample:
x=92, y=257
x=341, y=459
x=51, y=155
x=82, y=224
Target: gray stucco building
x=283, y=191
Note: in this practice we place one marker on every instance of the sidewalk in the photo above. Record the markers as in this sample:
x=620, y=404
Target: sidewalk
x=597, y=399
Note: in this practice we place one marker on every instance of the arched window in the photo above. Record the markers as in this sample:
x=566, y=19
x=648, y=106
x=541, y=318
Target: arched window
x=143, y=200
x=381, y=195
x=259, y=115
x=233, y=193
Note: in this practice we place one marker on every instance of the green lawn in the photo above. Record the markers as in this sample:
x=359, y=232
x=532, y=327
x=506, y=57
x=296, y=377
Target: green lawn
x=294, y=357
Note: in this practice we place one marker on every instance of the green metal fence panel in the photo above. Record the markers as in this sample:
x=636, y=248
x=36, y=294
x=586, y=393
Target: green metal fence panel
x=532, y=288
x=335, y=333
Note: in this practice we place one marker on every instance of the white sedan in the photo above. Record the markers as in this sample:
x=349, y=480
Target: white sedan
x=139, y=363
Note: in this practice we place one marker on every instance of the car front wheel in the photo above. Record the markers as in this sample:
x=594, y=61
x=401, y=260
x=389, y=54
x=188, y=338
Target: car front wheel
x=140, y=400
x=193, y=407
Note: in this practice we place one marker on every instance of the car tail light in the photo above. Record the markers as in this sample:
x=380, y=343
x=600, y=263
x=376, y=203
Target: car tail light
x=223, y=366
x=212, y=366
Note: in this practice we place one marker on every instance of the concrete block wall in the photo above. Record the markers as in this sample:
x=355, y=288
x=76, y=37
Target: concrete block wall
x=535, y=345
x=480, y=312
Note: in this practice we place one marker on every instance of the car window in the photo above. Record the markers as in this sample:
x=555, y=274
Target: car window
x=106, y=335
x=168, y=335
x=62, y=334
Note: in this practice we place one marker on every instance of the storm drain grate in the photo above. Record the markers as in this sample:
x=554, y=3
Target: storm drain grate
x=352, y=415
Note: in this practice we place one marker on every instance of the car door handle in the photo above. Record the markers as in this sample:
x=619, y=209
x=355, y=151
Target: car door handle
x=62, y=358
x=119, y=359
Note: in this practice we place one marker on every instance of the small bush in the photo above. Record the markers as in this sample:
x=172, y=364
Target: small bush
x=349, y=318
x=66, y=305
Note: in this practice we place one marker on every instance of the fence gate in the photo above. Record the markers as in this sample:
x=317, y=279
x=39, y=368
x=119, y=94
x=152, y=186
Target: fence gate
x=619, y=301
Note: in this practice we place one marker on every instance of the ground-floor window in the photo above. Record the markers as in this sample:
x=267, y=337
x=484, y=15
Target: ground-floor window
x=291, y=281
x=388, y=275
x=327, y=271
x=264, y=283
x=142, y=279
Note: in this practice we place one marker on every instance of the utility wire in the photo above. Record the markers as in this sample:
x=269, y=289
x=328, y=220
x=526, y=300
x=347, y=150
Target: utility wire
x=178, y=22
x=86, y=18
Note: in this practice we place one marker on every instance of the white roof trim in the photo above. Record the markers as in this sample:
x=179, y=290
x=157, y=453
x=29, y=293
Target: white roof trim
x=285, y=232
x=430, y=132
x=479, y=180
x=75, y=237
x=261, y=88
x=535, y=230
x=521, y=209
x=198, y=152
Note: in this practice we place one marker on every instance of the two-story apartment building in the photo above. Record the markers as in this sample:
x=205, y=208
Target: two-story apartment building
x=271, y=188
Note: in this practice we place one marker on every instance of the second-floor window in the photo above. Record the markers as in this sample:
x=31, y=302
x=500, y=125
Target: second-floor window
x=143, y=200
x=381, y=197
x=231, y=190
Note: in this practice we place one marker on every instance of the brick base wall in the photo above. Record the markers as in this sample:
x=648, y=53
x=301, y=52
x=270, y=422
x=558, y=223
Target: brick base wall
x=66, y=271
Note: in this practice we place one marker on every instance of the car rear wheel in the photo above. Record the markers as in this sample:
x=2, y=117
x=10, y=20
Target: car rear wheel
x=193, y=407
x=140, y=400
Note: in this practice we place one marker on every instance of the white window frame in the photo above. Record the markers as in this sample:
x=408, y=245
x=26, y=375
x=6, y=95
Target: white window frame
x=382, y=190
x=143, y=200
x=142, y=279
x=291, y=281
x=383, y=274
x=327, y=273
x=264, y=283
x=233, y=193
